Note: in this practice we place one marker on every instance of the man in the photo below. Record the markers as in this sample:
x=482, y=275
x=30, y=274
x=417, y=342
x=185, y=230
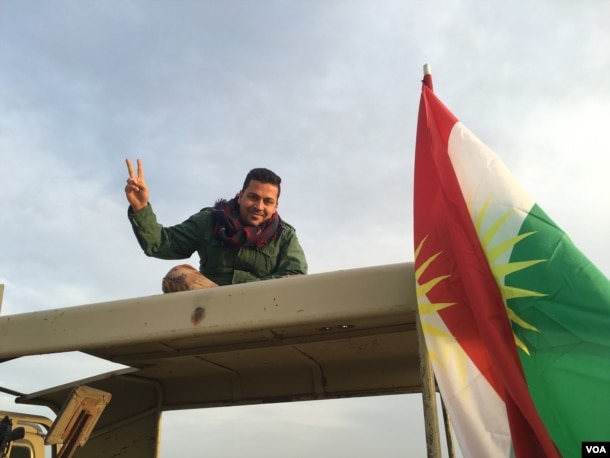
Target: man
x=240, y=240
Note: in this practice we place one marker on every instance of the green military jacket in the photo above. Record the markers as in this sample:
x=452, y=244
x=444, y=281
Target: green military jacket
x=222, y=264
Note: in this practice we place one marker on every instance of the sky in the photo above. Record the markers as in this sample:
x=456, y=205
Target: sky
x=326, y=94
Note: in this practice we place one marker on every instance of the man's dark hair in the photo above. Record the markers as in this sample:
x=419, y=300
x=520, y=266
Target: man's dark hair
x=264, y=176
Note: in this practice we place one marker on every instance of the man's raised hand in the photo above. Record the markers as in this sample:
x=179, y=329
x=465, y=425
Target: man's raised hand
x=136, y=190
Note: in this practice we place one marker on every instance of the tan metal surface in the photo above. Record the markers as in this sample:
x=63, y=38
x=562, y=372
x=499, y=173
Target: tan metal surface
x=337, y=334
x=35, y=426
x=77, y=419
x=237, y=315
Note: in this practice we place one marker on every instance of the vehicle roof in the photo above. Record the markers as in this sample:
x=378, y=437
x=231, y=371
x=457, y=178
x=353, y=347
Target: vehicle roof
x=330, y=335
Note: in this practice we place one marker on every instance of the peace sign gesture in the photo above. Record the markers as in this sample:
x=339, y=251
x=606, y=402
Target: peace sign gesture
x=136, y=190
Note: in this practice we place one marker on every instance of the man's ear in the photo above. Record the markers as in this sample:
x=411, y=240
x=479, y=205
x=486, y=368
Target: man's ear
x=240, y=194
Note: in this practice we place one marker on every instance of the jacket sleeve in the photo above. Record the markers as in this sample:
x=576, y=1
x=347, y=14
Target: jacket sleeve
x=291, y=259
x=175, y=242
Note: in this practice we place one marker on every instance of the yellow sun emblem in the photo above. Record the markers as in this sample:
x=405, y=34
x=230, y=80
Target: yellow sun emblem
x=493, y=252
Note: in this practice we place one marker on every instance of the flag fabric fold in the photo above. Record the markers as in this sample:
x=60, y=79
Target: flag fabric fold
x=516, y=319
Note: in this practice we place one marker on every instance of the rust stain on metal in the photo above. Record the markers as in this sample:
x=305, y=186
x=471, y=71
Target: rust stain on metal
x=197, y=315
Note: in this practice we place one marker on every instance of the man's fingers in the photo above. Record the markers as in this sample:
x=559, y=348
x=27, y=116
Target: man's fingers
x=140, y=169
x=132, y=173
x=130, y=168
x=131, y=187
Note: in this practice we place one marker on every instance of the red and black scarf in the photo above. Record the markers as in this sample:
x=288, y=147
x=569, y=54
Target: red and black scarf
x=229, y=230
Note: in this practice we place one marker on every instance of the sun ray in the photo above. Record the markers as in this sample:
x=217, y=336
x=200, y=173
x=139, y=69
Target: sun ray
x=511, y=292
x=421, y=244
x=498, y=250
x=516, y=319
x=434, y=308
x=427, y=309
x=425, y=288
x=489, y=234
x=478, y=222
x=443, y=349
x=500, y=271
x=435, y=331
x=421, y=269
x=521, y=345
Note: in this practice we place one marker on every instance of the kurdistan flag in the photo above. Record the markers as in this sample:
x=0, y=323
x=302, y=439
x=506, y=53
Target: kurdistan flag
x=516, y=319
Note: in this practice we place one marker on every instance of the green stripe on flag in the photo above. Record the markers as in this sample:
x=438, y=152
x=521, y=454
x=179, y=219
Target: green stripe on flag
x=568, y=366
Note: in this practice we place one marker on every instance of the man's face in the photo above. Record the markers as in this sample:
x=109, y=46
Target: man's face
x=257, y=203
